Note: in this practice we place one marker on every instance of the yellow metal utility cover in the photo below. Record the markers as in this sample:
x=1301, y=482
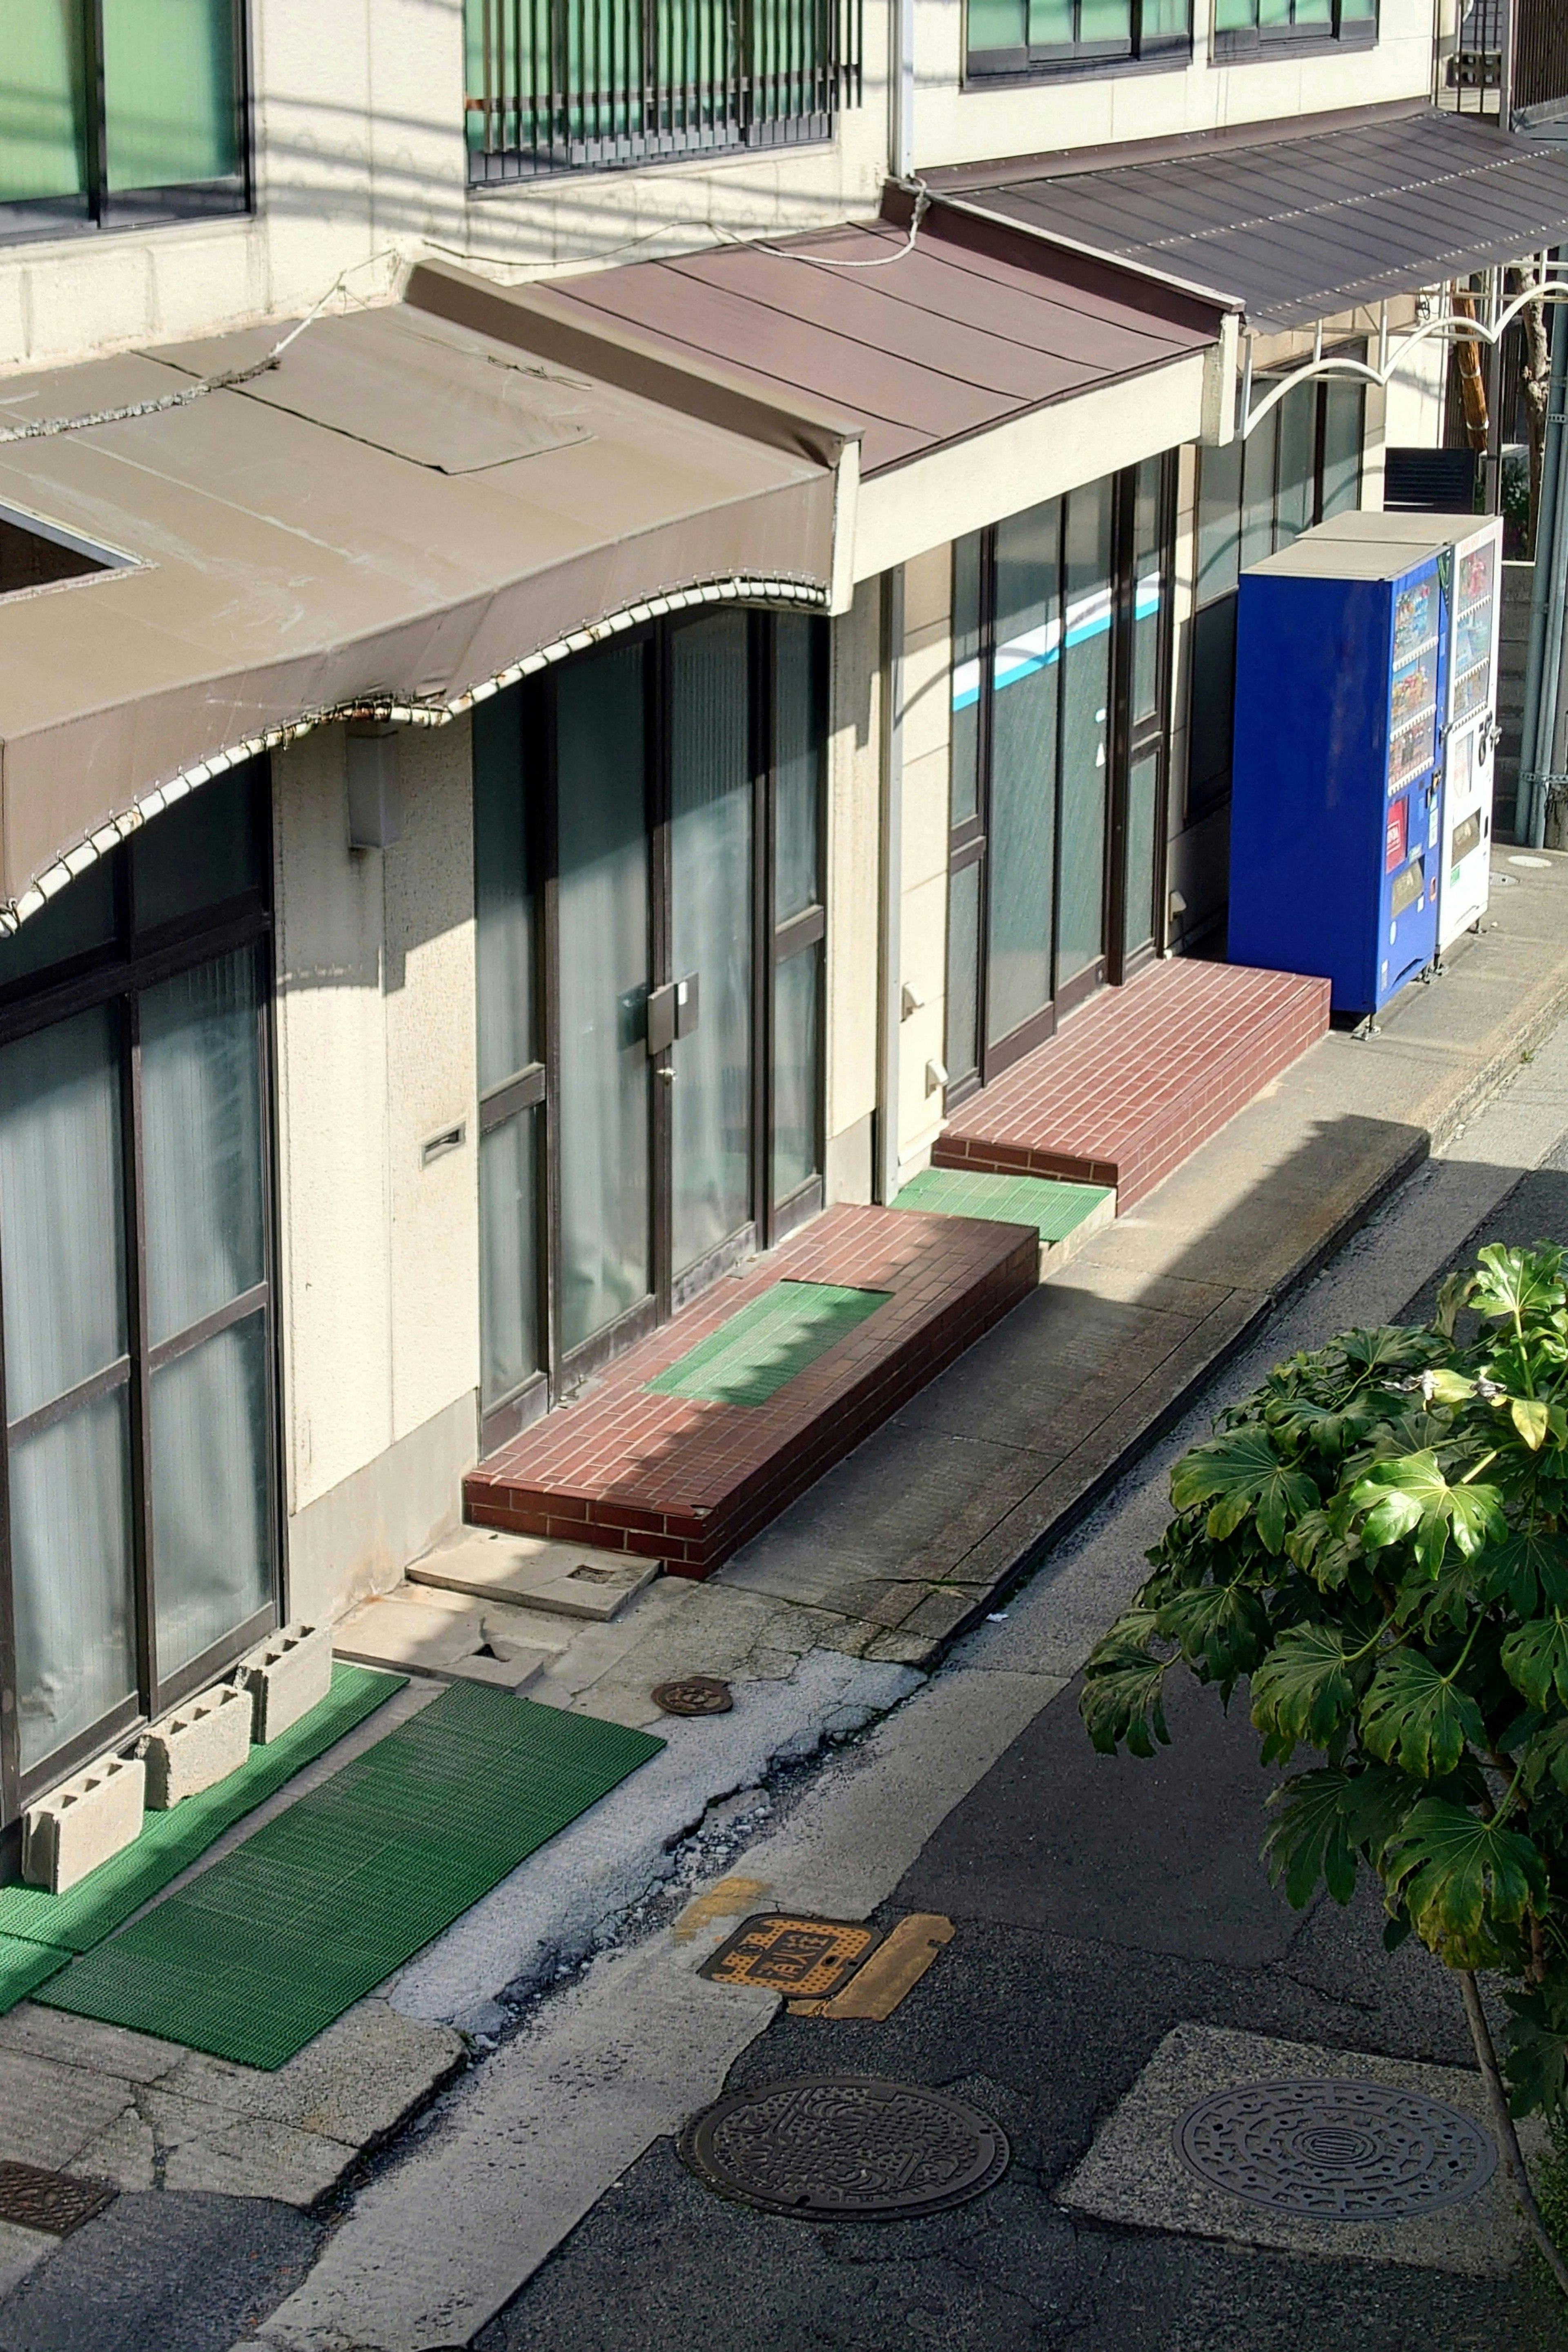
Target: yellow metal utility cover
x=785, y=1952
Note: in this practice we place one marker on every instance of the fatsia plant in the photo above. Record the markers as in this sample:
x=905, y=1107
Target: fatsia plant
x=1375, y=1544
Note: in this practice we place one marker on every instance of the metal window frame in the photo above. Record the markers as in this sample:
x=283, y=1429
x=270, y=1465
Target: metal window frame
x=102, y=210
x=1241, y=44
x=117, y=977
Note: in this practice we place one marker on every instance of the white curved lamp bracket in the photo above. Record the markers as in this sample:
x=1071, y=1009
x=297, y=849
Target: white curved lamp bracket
x=1450, y=325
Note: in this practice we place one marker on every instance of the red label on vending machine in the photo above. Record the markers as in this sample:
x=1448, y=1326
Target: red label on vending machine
x=1395, y=839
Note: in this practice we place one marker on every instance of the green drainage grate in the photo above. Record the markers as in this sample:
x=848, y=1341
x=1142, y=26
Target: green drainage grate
x=259, y=1952
x=170, y=1841
x=23, y=1965
x=1053, y=1208
x=761, y=1347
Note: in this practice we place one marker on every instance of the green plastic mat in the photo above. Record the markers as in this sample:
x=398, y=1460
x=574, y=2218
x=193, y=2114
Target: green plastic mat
x=270, y=1945
x=170, y=1841
x=763, y=1344
x=1055, y=1209
x=23, y=1965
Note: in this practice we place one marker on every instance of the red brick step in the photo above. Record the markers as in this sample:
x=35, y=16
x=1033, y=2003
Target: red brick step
x=1133, y=1082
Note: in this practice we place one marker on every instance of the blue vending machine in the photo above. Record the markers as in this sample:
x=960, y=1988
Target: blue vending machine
x=1336, y=825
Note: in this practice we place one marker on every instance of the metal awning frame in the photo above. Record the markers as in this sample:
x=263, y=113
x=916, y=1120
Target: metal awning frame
x=1450, y=325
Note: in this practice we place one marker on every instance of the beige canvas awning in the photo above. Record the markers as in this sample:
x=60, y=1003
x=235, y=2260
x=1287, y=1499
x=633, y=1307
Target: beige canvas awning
x=400, y=513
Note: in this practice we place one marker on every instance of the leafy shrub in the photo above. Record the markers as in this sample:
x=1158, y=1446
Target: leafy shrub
x=1377, y=1541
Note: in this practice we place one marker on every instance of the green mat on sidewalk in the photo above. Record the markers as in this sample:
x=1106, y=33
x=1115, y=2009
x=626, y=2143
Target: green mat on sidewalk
x=23, y=1965
x=170, y=1841
x=765, y=1343
x=1054, y=1207
x=260, y=1951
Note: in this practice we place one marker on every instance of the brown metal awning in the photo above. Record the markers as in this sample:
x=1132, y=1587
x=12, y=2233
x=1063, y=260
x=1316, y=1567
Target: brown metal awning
x=402, y=511
x=1297, y=221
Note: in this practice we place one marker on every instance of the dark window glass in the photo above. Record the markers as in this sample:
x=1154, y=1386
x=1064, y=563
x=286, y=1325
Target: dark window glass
x=81, y=917
x=503, y=894
x=798, y=768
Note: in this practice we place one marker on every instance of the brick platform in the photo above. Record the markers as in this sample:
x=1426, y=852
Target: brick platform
x=687, y=1481
x=1140, y=1078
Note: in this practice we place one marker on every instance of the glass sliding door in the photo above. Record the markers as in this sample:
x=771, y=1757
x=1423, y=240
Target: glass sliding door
x=652, y=927
x=710, y=893
x=603, y=926
x=1059, y=660
x=138, y=1534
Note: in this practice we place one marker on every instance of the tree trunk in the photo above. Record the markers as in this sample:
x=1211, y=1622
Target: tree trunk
x=1502, y=2124
x=1536, y=380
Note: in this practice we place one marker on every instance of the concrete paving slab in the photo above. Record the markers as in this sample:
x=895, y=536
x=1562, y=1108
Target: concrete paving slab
x=414, y=1635
x=1134, y=2174
x=433, y=2249
x=206, y=2148
x=65, y=2041
x=50, y=2114
x=534, y=1572
x=354, y=2083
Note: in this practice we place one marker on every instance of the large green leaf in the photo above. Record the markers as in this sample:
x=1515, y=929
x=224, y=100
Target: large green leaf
x=1453, y=1294
x=1537, y=2062
x=1462, y=1879
x=1535, y=1660
x=1414, y=1716
x=1520, y=1572
x=1517, y=1281
x=1223, y=1630
x=1123, y=1688
x=1324, y=1819
x=1410, y=1496
x=1304, y=1690
x=1240, y=1473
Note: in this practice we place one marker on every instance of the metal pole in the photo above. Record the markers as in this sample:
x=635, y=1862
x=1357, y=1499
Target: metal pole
x=891, y=953
x=1547, y=599
x=903, y=92
x=1505, y=65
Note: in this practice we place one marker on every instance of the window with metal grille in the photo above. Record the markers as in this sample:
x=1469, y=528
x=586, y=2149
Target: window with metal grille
x=1052, y=36
x=596, y=85
x=119, y=113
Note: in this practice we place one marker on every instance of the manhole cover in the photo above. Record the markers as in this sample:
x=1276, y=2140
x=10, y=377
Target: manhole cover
x=693, y=1695
x=57, y=2201
x=809, y=1958
x=847, y=2145
x=1336, y=2151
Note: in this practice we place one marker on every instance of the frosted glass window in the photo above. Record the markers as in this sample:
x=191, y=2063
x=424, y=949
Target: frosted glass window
x=169, y=91
x=1219, y=520
x=509, y=1227
x=603, y=901
x=798, y=759
x=43, y=100
x=211, y=1488
x=961, y=1052
x=503, y=894
x=72, y=1592
x=1298, y=415
x=711, y=921
x=964, y=789
x=201, y=1107
x=998, y=23
x=1343, y=422
x=1142, y=816
x=1025, y=682
x=1086, y=727
x=797, y=1019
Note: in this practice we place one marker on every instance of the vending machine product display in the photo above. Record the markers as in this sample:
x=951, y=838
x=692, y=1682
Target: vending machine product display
x=1469, y=720
x=1337, y=815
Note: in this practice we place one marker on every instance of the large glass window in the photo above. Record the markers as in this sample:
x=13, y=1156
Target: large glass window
x=1301, y=464
x=1053, y=36
x=572, y=85
x=1059, y=638
x=115, y=110
x=139, y=1531
x=1242, y=27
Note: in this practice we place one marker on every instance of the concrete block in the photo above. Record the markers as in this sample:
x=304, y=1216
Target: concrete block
x=86, y=1821
x=201, y=1742
x=286, y=1675
x=534, y=1572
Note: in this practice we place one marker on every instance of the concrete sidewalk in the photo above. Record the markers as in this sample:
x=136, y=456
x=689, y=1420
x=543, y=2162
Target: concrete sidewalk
x=838, y=1612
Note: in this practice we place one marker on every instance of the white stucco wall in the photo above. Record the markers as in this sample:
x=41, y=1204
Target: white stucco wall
x=957, y=125
x=375, y=1055
x=359, y=164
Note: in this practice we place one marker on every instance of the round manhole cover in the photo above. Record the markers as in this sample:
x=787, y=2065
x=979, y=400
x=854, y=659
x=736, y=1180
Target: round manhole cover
x=848, y=2146
x=694, y=1695
x=1336, y=2151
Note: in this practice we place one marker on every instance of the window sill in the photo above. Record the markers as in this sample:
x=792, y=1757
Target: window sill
x=977, y=79
x=1249, y=49
x=28, y=225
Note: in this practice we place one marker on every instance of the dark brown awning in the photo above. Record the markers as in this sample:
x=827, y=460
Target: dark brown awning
x=1296, y=221
x=401, y=512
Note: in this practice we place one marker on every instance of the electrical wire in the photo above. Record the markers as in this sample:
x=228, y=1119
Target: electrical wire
x=831, y=261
